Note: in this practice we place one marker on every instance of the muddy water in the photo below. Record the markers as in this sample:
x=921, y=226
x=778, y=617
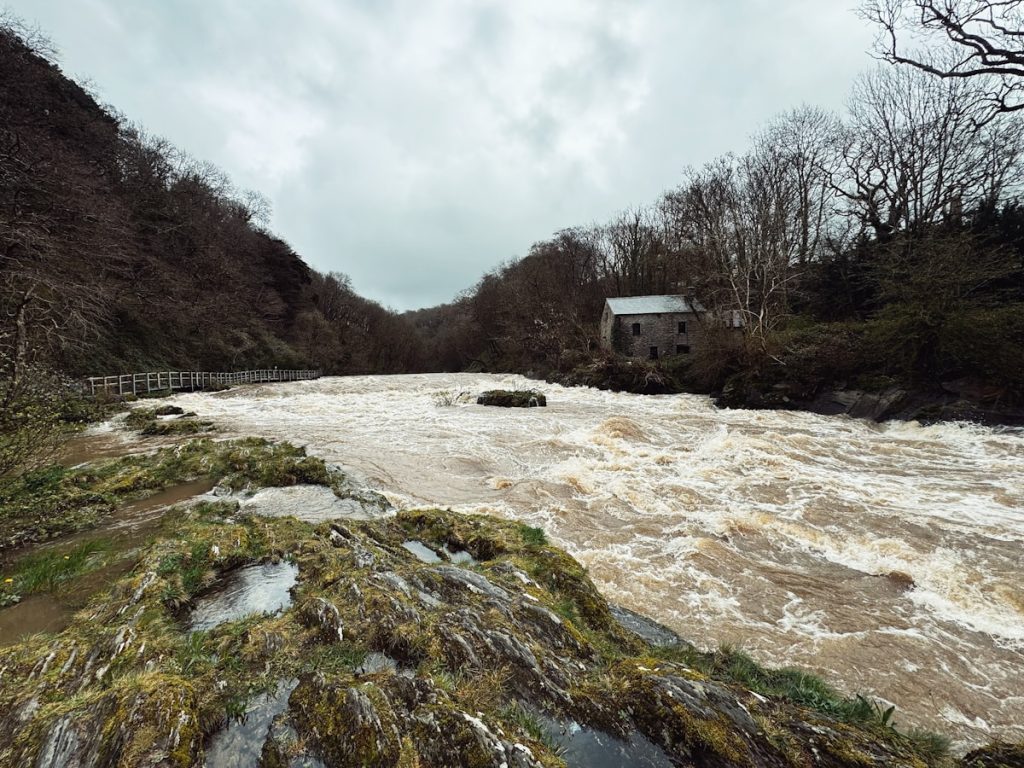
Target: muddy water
x=887, y=556
x=98, y=441
x=130, y=528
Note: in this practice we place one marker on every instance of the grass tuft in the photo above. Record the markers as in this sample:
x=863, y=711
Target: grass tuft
x=803, y=688
x=533, y=537
x=45, y=571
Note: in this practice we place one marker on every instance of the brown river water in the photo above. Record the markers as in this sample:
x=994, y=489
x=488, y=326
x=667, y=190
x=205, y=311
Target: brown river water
x=886, y=557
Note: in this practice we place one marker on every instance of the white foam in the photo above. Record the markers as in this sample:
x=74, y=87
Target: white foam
x=700, y=515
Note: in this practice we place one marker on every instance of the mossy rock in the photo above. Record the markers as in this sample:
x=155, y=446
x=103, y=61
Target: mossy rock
x=520, y=398
x=471, y=662
x=996, y=756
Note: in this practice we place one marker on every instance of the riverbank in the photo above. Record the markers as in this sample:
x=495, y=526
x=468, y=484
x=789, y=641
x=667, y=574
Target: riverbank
x=877, y=398
x=365, y=642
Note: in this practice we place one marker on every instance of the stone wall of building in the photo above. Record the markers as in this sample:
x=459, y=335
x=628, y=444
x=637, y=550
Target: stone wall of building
x=660, y=331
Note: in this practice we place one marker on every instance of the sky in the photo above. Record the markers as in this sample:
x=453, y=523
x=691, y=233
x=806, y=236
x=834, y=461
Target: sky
x=416, y=144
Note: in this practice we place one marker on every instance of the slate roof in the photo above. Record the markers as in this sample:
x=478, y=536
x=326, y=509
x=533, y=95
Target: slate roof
x=653, y=305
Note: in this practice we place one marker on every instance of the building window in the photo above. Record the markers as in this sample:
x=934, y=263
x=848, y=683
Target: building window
x=636, y=329
x=654, y=353
x=682, y=349
x=682, y=326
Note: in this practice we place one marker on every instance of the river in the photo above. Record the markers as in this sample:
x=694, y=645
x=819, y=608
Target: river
x=887, y=557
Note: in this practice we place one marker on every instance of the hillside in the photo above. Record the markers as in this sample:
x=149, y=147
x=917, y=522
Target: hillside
x=120, y=252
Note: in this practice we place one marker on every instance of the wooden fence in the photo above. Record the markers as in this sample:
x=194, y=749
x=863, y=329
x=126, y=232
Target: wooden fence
x=163, y=381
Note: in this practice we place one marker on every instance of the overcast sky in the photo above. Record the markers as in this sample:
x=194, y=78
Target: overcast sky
x=415, y=144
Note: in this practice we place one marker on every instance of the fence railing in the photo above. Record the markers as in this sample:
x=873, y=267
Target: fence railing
x=162, y=381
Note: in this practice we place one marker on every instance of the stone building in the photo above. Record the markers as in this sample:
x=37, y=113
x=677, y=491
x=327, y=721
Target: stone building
x=652, y=326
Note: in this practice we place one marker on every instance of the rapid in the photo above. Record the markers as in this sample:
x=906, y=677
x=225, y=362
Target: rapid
x=887, y=557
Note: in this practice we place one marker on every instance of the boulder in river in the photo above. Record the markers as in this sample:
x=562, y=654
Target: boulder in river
x=520, y=398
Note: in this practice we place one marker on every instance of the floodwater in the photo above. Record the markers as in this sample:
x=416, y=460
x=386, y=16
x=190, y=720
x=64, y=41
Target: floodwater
x=887, y=557
x=130, y=527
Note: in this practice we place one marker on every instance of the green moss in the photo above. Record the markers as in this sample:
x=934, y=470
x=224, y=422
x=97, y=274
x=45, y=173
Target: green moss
x=353, y=725
x=180, y=426
x=146, y=421
x=479, y=536
x=55, y=500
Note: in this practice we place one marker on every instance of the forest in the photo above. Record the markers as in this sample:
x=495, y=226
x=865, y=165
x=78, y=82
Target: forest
x=120, y=252
x=879, y=247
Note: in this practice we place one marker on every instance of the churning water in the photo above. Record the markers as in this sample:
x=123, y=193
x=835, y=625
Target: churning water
x=888, y=557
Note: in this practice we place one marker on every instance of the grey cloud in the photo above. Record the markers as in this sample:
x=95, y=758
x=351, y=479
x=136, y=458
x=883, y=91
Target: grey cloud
x=414, y=145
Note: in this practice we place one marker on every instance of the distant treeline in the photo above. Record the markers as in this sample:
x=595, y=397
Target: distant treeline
x=884, y=246
x=119, y=252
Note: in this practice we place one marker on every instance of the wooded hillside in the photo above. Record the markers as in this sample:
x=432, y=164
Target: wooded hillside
x=119, y=252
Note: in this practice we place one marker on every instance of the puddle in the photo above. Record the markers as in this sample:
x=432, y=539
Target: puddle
x=52, y=611
x=240, y=744
x=460, y=556
x=311, y=503
x=428, y=555
x=130, y=527
x=253, y=589
x=422, y=551
x=36, y=613
x=588, y=748
x=152, y=507
x=648, y=629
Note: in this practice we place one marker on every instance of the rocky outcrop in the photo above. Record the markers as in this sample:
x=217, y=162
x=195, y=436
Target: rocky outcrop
x=957, y=401
x=619, y=374
x=520, y=398
x=384, y=658
x=996, y=756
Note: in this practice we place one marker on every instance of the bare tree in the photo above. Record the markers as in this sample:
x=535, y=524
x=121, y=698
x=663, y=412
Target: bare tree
x=737, y=214
x=917, y=153
x=805, y=145
x=633, y=253
x=957, y=39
